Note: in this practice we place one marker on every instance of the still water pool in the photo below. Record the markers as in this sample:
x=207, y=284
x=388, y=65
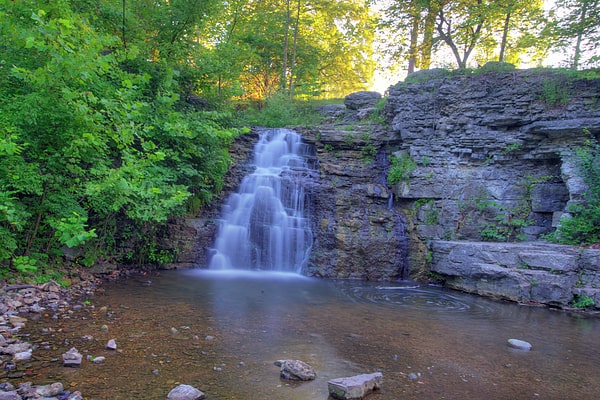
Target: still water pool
x=222, y=331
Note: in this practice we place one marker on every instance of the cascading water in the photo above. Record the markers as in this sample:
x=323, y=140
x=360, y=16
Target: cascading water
x=263, y=225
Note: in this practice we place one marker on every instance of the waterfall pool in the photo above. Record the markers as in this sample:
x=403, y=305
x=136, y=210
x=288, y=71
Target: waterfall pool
x=221, y=331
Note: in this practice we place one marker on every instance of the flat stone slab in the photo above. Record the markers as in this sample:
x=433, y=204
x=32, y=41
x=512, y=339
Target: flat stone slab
x=354, y=387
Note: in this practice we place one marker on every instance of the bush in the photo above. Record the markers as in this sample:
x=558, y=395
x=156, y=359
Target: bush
x=401, y=169
x=279, y=111
x=583, y=226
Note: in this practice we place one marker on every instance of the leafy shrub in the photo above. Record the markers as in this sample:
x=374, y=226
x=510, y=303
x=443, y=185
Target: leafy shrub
x=279, y=111
x=583, y=226
x=583, y=301
x=401, y=169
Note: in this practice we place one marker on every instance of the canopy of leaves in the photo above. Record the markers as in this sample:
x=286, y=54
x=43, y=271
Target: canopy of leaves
x=422, y=32
x=92, y=138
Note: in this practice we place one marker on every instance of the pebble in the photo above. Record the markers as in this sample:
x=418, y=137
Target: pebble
x=112, y=344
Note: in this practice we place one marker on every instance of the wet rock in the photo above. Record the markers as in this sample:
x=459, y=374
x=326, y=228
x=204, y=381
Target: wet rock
x=295, y=370
x=12, y=395
x=75, y=396
x=23, y=356
x=15, y=348
x=519, y=344
x=185, y=392
x=354, y=387
x=112, y=344
x=72, y=358
x=49, y=390
x=96, y=360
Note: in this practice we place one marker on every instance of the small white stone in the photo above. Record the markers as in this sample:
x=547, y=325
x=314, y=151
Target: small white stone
x=519, y=344
x=112, y=344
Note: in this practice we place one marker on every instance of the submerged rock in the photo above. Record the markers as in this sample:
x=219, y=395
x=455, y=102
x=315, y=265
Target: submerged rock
x=519, y=344
x=72, y=358
x=49, y=390
x=295, y=370
x=185, y=392
x=112, y=344
x=354, y=387
x=12, y=395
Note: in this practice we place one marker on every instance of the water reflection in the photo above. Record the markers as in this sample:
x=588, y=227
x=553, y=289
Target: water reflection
x=429, y=343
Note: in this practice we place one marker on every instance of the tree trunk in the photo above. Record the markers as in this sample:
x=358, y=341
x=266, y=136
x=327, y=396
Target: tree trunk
x=504, y=36
x=294, y=47
x=428, y=31
x=285, y=46
x=413, y=48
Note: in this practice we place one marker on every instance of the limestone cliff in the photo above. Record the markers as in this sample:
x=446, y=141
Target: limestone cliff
x=490, y=156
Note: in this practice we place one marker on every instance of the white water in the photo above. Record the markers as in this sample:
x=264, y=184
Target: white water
x=264, y=225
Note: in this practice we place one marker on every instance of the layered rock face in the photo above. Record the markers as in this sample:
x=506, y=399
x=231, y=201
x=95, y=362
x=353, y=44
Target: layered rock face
x=491, y=157
x=358, y=234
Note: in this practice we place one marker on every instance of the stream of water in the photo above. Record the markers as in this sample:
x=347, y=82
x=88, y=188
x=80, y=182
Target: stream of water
x=263, y=224
x=221, y=331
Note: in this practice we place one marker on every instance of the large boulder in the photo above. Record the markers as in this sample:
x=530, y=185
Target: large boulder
x=185, y=392
x=359, y=100
x=295, y=370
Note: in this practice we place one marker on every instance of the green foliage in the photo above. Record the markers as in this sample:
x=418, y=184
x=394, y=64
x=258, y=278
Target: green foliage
x=583, y=301
x=400, y=169
x=555, y=93
x=92, y=139
x=497, y=66
x=507, y=222
x=583, y=226
x=511, y=147
x=349, y=139
x=280, y=111
x=368, y=150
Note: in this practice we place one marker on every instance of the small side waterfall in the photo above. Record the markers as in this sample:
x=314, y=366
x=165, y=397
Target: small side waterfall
x=263, y=225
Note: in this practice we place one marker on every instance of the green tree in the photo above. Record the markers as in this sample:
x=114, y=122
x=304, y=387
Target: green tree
x=579, y=30
x=91, y=140
x=418, y=18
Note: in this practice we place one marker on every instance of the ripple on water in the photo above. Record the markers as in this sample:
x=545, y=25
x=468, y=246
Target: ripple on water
x=416, y=297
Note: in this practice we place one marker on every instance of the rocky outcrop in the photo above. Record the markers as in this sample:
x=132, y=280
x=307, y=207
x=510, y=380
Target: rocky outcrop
x=357, y=232
x=490, y=146
x=491, y=162
x=522, y=272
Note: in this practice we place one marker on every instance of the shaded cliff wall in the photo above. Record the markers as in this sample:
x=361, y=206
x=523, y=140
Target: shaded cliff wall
x=489, y=151
x=358, y=234
x=492, y=163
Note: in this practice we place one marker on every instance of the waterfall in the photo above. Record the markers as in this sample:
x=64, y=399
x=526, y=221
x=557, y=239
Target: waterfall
x=263, y=226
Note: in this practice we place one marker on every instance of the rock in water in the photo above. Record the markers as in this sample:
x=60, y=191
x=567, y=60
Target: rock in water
x=52, y=390
x=295, y=370
x=185, y=392
x=72, y=358
x=112, y=344
x=12, y=395
x=354, y=387
x=519, y=344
